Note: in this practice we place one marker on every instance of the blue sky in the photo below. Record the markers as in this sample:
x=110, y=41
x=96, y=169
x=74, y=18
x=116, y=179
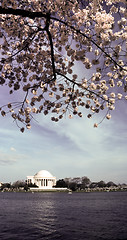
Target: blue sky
x=69, y=148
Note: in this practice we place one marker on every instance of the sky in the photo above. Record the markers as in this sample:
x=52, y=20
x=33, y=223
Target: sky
x=68, y=148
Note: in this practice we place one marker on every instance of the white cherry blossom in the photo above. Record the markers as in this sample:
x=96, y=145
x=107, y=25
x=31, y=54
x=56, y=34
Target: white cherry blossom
x=64, y=57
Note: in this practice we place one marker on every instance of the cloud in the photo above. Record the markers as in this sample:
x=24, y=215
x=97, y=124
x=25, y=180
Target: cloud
x=6, y=160
x=56, y=135
x=13, y=149
x=66, y=148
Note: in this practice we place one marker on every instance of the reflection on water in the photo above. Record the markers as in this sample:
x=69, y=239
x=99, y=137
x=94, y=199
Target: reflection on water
x=52, y=216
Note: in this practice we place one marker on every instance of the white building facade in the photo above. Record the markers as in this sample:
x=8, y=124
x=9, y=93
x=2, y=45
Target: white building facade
x=43, y=179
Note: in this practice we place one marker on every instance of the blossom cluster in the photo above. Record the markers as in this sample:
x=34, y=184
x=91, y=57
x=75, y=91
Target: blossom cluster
x=43, y=43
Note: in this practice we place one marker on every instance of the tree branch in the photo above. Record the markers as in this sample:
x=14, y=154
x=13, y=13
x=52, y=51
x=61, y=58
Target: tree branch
x=79, y=85
x=26, y=44
x=25, y=13
x=21, y=12
x=78, y=31
x=33, y=15
x=51, y=44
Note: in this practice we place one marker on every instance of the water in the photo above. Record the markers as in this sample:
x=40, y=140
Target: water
x=52, y=216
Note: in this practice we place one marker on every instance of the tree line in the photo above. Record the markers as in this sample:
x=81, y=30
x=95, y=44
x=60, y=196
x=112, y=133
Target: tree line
x=74, y=184
x=19, y=184
x=82, y=183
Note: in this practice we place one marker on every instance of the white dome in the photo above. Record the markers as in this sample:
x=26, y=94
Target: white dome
x=43, y=174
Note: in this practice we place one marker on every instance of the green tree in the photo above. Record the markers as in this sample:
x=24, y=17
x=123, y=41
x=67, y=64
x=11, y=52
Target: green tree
x=101, y=184
x=32, y=185
x=111, y=184
x=5, y=185
x=61, y=183
x=93, y=185
x=18, y=184
x=85, y=182
x=73, y=186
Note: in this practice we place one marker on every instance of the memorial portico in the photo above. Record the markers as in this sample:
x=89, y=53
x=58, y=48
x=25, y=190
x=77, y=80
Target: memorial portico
x=43, y=179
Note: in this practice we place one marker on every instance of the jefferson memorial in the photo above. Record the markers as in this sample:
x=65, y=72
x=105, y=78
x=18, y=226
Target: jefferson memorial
x=43, y=179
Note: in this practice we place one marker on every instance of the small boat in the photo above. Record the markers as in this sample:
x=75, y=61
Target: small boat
x=70, y=192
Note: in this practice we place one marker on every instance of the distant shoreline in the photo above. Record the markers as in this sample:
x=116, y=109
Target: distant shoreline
x=62, y=190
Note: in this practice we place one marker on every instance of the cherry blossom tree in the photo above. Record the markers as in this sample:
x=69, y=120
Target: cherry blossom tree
x=64, y=56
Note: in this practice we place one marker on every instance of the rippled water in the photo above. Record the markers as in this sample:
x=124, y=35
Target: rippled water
x=52, y=216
